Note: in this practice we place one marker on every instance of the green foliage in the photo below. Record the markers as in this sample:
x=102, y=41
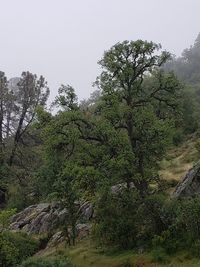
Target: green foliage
x=188, y=219
x=45, y=262
x=66, y=99
x=118, y=138
x=5, y=216
x=126, y=135
x=15, y=247
x=125, y=220
x=182, y=231
x=67, y=195
x=139, y=102
x=159, y=255
x=195, y=249
x=8, y=253
x=18, y=197
x=187, y=68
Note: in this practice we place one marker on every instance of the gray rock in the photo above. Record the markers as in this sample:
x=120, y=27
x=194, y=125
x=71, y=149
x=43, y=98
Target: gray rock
x=83, y=230
x=86, y=211
x=56, y=239
x=116, y=189
x=47, y=218
x=190, y=183
x=49, y=222
x=43, y=207
x=36, y=219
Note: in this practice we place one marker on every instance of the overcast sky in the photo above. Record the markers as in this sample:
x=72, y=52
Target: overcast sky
x=64, y=39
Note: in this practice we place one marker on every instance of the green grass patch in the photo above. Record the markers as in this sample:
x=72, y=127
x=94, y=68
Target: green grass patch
x=85, y=254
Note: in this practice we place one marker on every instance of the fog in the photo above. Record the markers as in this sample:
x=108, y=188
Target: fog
x=63, y=40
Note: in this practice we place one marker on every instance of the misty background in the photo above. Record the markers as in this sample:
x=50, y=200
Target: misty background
x=63, y=40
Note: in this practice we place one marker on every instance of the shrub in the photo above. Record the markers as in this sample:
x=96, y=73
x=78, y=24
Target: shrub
x=125, y=220
x=188, y=219
x=8, y=253
x=19, y=197
x=178, y=137
x=195, y=249
x=15, y=247
x=5, y=217
x=183, y=229
x=116, y=220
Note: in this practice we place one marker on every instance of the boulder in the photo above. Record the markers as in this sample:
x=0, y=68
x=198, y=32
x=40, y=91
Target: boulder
x=38, y=219
x=86, y=211
x=189, y=184
x=47, y=218
x=116, y=189
x=82, y=229
x=56, y=239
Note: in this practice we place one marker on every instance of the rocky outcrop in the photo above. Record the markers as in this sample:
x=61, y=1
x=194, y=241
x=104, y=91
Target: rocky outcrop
x=86, y=211
x=83, y=230
x=47, y=218
x=190, y=183
x=116, y=189
x=56, y=239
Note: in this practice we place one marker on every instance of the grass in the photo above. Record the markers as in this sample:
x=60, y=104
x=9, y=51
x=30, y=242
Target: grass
x=84, y=254
x=179, y=160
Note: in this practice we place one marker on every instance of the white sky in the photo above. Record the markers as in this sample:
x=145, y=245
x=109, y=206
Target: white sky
x=64, y=39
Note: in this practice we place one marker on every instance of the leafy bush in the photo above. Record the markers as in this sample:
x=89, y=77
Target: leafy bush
x=15, y=247
x=8, y=253
x=19, y=197
x=5, y=217
x=126, y=220
x=183, y=229
x=178, y=137
x=195, y=249
x=187, y=221
x=116, y=219
x=42, y=262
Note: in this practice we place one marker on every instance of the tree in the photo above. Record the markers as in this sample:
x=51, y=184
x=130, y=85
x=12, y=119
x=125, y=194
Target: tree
x=127, y=133
x=3, y=99
x=187, y=69
x=68, y=197
x=135, y=94
x=19, y=141
x=66, y=98
x=32, y=92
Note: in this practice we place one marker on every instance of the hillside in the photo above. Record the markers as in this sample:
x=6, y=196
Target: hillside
x=85, y=254
x=80, y=182
x=180, y=159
